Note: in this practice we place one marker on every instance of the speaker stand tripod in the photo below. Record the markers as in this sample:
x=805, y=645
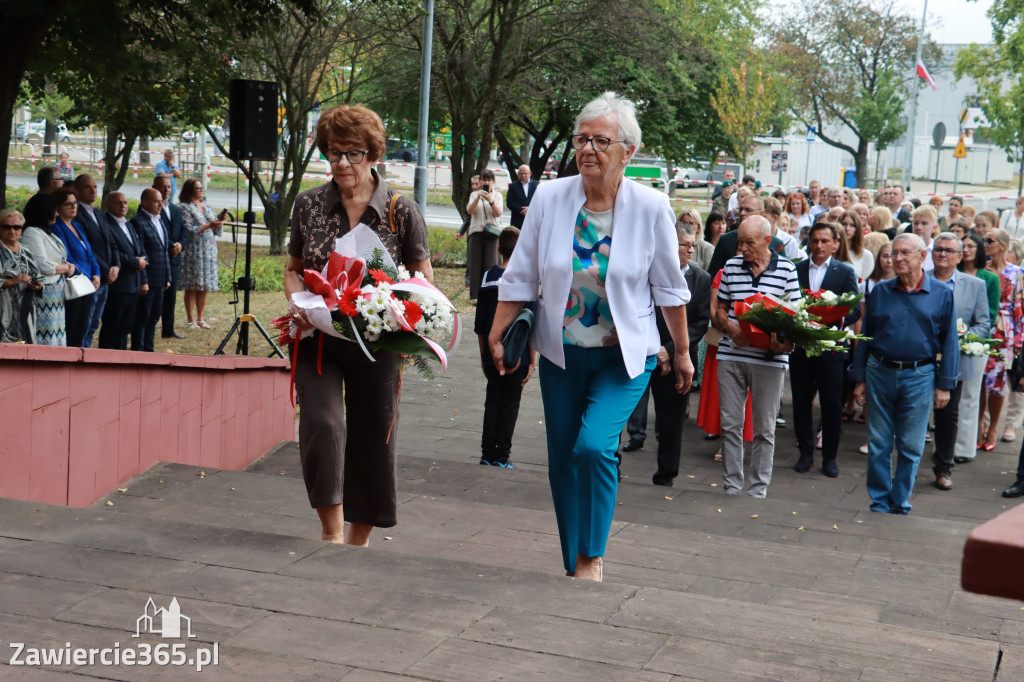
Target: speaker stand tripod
x=245, y=284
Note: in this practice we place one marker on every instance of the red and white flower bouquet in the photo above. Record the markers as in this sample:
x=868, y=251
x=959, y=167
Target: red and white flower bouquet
x=375, y=305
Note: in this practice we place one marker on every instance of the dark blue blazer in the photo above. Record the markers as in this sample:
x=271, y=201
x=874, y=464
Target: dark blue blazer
x=840, y=278
x=176, y=232
x=98, y=240
x=518, y=200
x=127, y=250
x=158, y=273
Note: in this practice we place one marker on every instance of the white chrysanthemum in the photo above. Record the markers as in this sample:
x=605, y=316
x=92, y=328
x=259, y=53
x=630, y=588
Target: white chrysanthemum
x=828, y=296
x=374, y=327
x=403, y=274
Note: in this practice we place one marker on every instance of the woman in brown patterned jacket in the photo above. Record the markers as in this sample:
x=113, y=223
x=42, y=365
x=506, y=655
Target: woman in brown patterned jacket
x=356, y=468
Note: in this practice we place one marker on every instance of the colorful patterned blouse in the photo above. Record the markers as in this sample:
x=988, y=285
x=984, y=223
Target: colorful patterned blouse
x=588, y=317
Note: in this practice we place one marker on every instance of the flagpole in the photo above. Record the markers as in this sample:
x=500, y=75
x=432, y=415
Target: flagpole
x=912, y=114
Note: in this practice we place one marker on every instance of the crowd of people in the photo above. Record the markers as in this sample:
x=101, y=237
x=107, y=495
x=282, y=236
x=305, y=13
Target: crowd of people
x=75, y=274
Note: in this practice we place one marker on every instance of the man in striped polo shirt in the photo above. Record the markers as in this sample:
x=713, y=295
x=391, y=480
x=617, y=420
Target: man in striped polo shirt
x=742, y=366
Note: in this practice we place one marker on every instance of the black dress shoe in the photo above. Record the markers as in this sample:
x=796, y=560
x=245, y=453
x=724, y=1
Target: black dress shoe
x=173, y=335
x=660, y=480
x=632, y=445
x=803, y=465
x=830, y=469
x=1015, y=490
x=712, y=436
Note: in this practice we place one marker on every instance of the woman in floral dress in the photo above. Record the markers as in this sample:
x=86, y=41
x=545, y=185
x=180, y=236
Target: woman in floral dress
x=1009, y=326
x=199, y=259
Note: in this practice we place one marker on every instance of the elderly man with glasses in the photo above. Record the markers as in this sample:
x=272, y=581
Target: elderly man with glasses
x=971, y=305
x=911, y=361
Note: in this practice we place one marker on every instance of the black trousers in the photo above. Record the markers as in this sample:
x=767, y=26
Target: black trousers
x=946, y=421
x=147, y=314
x=170, y=300
x=76, y=319
x=669, y=415
x=501, y=410
x=118, y=320
x=821, y=375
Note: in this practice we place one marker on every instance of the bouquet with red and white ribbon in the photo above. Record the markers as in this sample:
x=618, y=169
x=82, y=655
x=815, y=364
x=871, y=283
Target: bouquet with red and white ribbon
x=376, y=305
x=828, y=306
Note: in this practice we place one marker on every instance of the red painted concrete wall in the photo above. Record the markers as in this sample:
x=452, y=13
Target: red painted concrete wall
x=78, y=422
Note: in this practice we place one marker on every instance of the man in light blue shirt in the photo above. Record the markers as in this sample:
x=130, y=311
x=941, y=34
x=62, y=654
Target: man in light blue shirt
x=166, y=166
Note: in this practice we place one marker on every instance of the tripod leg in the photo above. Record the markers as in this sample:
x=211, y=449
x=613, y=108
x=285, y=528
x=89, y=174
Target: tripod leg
x=220, y=348
x=276, y=349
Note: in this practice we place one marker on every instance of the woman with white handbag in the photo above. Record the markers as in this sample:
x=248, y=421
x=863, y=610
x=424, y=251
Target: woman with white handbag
x=77, y=294
x=51, y=258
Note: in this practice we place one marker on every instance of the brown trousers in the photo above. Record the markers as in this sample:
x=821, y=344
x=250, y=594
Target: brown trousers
x=356, y=468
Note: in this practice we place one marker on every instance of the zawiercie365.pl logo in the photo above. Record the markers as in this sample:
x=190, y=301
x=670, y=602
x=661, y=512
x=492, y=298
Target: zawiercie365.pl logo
x=168, y=623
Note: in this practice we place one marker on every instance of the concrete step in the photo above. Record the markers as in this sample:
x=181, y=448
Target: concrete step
x=862, y=568
x=272, y=601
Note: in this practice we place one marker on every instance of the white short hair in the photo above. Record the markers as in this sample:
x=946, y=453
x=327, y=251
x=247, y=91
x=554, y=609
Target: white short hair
x=625, y=111
x=910, y=236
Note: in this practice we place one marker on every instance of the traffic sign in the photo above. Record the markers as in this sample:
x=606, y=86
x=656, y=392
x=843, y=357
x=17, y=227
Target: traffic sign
x=939, y=134
x=810, y=133
x=961, y=149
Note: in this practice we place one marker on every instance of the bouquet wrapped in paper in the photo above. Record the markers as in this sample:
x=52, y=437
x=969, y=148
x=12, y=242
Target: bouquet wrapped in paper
x=761, y=315
x=362, y=297
x=974, y=346
x=829, y=307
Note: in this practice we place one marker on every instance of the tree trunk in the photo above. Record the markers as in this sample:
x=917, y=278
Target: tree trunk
x=861, y=159
x=29, y=21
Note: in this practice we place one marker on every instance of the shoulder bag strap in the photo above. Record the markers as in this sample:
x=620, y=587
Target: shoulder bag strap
x=391, y=212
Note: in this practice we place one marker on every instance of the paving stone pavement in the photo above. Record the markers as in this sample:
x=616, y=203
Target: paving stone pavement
x=804, y=585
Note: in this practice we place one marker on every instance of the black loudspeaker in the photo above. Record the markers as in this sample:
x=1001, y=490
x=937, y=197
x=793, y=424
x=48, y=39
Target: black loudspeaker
x=253, y=120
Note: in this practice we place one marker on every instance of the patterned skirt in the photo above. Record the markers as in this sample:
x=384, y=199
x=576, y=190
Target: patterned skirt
x=50, y=315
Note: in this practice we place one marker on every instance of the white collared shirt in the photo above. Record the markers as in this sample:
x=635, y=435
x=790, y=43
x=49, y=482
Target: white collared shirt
x=157, y=225
x=123, y=222
x=816, y=273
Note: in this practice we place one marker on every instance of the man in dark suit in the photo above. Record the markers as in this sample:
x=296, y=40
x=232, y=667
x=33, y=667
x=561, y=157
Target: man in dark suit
x=123, y=295
x=520, y=194
x=157, y=276
x=177, y=235
x=822, y=374
x=94, y=227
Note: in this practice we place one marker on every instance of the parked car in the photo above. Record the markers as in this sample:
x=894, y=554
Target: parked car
x=402, y=150
x=36, y=130
x=189, y=136
x=551, y=167
x=691, y=177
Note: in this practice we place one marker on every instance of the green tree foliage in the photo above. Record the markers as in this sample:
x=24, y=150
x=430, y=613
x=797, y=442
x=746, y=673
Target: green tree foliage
x=746, y=101
x=1001, y=95
x=839, y=54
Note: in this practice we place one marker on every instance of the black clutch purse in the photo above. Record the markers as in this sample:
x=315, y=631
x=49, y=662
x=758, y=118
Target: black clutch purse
x=516, y=337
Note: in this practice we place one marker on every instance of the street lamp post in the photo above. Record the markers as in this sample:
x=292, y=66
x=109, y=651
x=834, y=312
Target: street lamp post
x=422, y=141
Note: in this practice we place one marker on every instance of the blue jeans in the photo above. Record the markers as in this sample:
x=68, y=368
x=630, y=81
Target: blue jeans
x=585, y=407
x=899, y=402
x=99, y=303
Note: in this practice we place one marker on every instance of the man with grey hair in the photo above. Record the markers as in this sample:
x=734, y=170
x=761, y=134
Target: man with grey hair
x=166, y=166
x=519, y=195
x=956, y=424
x=911, y=360
x=726, y=246
x=743, y=367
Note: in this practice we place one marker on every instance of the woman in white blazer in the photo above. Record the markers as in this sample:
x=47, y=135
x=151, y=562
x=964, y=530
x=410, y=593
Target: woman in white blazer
x=602, y=251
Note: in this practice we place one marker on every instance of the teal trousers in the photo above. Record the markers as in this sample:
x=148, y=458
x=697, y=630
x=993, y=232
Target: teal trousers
x=586, y=406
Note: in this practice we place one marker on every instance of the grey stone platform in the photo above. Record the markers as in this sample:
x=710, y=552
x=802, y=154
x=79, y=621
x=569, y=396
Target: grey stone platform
x=804, y=585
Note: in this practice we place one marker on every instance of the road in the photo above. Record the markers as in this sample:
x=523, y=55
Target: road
x=443, y=216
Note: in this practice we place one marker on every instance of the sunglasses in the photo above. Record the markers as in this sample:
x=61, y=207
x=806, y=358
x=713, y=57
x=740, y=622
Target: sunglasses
x=12, y=227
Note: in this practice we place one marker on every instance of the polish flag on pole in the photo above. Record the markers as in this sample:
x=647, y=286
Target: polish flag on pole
x=922, y=71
